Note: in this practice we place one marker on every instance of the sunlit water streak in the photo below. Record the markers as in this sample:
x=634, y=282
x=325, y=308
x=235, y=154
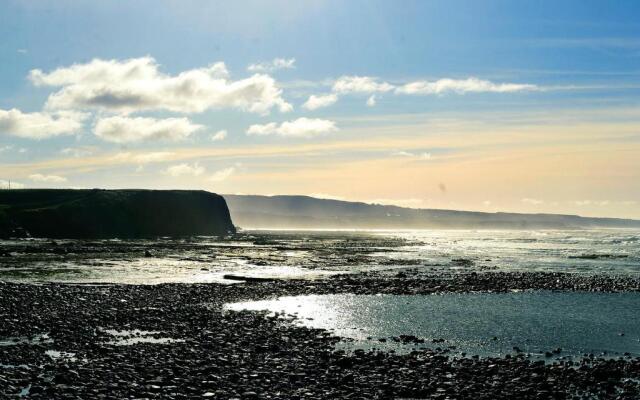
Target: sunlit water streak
x=476, y=323
x=318, y=254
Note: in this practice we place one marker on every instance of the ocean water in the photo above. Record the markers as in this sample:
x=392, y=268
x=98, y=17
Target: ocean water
x=603, y=324
x=319, y=254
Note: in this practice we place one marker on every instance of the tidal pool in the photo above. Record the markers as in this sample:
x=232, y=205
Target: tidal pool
x=486, y=324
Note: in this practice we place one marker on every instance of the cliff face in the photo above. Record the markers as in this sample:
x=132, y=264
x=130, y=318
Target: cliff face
x=95, y=213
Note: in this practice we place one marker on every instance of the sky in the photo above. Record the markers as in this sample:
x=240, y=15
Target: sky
x=472, y=105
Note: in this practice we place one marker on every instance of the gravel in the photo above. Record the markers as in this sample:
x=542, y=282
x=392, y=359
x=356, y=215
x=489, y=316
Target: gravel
x=211, y=353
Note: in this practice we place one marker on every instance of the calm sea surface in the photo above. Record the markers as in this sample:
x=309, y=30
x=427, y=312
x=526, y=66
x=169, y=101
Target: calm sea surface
x=603, y=324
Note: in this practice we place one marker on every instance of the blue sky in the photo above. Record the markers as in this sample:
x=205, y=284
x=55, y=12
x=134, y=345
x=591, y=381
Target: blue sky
x=561, y=136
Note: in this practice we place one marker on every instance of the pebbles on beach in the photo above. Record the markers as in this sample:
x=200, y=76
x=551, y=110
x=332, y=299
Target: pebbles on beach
x=253, y=355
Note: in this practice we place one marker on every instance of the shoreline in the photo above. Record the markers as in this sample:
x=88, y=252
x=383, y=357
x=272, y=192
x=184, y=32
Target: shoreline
x=240, y=354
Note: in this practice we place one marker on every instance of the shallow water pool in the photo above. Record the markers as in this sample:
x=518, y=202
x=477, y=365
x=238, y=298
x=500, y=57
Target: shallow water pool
x=486, y=324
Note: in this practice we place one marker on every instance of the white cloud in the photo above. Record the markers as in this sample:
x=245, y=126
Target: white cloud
x=534, y=202
x=47, y=178
x=301, y=127
x=220, y=135
x=422, y=156
x=22, y=51
x=127, y=130
x=222, y=174
x=273, y=65
x=314, y=102
x=371, y=101
x=4, y=184
x=137, y=85
x=360, y=84
x=402, y=154
x=5, y=148
x=38, y=125
x=185, y=169
x=461, y=86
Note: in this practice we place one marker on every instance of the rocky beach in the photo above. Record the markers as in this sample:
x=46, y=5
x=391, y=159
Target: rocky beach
x=71, y=341
x=76, y=340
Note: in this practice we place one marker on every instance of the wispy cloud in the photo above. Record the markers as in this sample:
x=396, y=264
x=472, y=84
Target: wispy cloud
x=47, y=178
x=373, y=87
x=220, y=135
x=421, y=155
x=299, y=128
x=185, y=170
x=222, y=174
x=360, y=84
x=273, y=65
x=142, y=158
x=461, y=86
x=77, y=151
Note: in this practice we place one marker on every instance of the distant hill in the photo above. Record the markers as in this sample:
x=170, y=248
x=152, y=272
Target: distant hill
x=66, y=213
x=305, y=212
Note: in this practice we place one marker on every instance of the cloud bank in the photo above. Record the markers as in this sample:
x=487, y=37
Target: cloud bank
x=38, y=125
x=129, y=130
x=136, y=85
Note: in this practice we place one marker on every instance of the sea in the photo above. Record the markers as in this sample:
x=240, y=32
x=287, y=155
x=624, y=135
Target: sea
x=317, y=254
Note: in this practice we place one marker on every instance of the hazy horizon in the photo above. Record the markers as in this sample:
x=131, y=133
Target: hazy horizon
x=486, y=106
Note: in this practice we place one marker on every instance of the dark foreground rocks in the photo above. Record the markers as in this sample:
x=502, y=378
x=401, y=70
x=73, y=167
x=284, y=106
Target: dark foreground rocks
x=188, y=347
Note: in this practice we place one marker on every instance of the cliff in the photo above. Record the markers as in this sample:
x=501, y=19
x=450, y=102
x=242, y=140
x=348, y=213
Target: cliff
x=95, y=213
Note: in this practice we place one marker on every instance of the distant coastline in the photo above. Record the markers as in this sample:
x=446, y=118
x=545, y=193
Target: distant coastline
x=304, y=212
